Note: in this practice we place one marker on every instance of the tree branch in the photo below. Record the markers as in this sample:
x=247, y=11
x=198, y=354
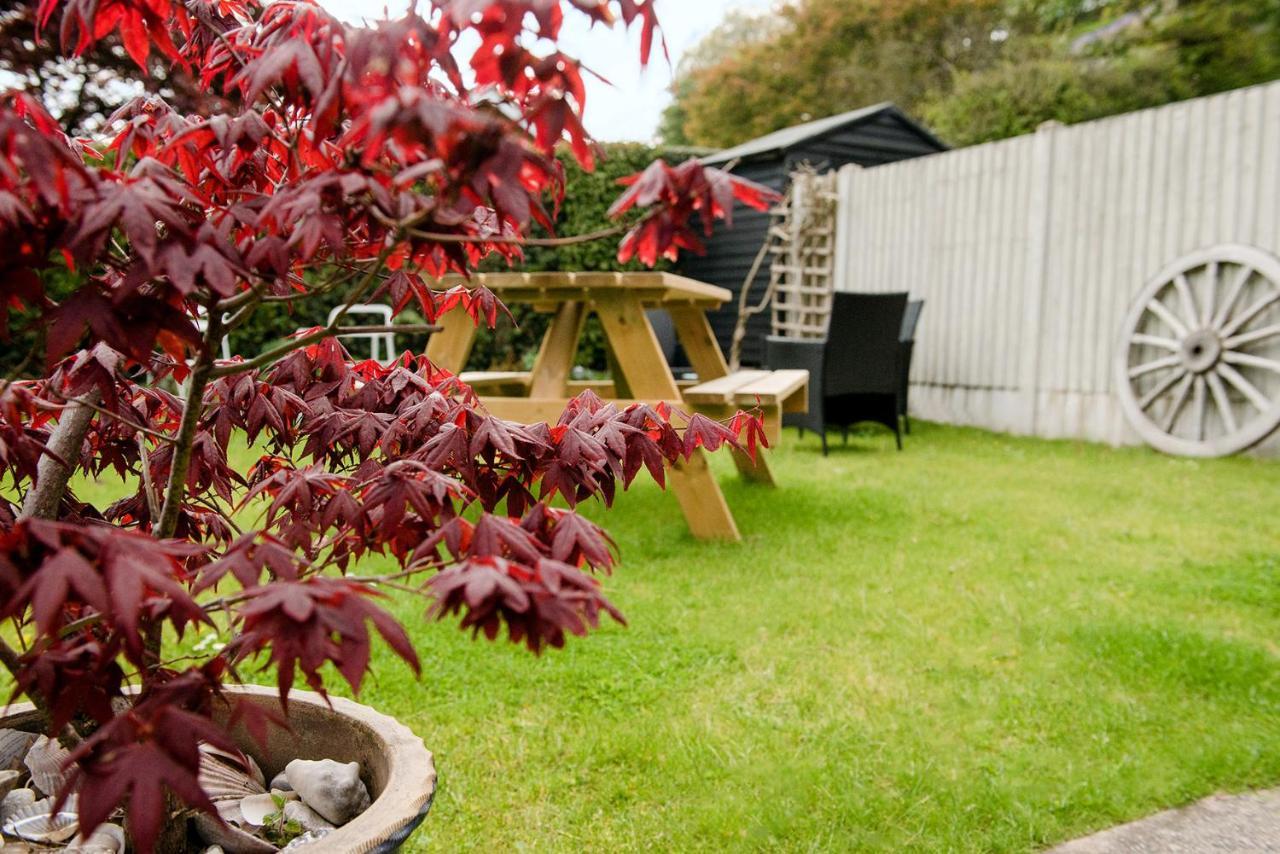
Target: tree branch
x=128, y=422
x=201, y=373
x=275, y=354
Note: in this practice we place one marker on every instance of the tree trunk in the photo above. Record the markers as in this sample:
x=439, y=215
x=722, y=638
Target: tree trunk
x=52, y=475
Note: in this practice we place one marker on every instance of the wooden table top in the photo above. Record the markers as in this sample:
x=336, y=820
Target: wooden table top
x=651, y=288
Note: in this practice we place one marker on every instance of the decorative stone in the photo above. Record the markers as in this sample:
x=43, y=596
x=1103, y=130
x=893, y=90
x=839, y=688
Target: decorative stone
x=281, y=782
x=307, y=818
x=332, y=789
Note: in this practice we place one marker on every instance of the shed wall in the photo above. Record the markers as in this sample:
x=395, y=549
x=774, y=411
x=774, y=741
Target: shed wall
x=730, y=251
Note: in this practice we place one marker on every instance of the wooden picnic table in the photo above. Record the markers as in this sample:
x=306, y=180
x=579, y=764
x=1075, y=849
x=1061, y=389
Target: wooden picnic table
x=641, y=372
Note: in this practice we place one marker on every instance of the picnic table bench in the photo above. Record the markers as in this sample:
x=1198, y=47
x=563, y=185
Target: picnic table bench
x=641, y=372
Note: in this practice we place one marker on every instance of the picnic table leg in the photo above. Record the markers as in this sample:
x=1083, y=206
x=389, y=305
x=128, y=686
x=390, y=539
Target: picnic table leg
x=451, y=346
x=620, y=387
x=699, y=341
x=645, y=371
x=554, y=364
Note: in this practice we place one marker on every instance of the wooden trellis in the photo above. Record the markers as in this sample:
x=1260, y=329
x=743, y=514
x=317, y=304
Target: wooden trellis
x=800, y=249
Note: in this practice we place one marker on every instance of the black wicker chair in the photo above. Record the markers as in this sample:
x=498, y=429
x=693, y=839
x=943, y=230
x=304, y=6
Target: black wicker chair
x=855, y=374
x=906, y=344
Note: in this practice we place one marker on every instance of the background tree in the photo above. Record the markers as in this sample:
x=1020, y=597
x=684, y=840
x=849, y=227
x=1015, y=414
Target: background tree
x=976, y=70
x=82, y=91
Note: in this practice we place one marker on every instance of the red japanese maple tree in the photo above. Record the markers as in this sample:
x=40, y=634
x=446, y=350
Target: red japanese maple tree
x=364, y=162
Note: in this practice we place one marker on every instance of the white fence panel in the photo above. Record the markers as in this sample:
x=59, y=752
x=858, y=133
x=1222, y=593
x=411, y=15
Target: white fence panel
x=1028, y=251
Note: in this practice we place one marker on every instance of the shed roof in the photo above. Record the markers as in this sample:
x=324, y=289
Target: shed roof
x=789, y=137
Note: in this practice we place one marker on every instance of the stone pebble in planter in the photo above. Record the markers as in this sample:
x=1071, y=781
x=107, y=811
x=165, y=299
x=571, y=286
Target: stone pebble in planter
x=311, y=796
x=306, y=801
x=332, y=789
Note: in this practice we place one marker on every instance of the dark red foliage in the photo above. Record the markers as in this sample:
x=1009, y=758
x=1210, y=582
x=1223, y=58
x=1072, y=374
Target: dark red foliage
x=366, y=162
x=315, y=621
x=538, y=603
x=150, y=749
x=62, y=572
x=681, y=196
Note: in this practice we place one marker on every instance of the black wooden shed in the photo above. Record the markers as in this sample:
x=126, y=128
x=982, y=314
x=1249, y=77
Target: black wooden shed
x=867, y=137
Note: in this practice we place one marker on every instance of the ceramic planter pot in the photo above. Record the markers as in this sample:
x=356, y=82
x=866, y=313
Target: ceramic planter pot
x=396, y=765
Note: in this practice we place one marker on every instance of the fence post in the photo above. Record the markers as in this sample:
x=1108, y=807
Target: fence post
x=1039, y=222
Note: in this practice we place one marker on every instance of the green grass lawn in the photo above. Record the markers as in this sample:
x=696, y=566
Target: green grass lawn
x=980, y=644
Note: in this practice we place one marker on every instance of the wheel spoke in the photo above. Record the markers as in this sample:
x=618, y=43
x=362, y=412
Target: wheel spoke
x=1157, y=341
x=1237, y=288
x=1223, y=402
x=1211, y=279
x=1237, y=341
x=1159, y=389
x=1157, y=365
x=1157, y=308
x=1248, y=389
x=1187, y=298
x=1179, y=401
x=1254, y=310
x=1199, y=403
x=1252, y=361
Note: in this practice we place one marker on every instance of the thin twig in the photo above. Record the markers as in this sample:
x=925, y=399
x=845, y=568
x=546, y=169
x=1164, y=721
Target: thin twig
x=128, y=422
x=574, y=240
x=209, y=505
x=147, y=487
x=277, y=353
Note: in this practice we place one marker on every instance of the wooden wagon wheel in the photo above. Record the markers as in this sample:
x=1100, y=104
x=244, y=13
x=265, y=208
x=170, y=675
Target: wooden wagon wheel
x=1198, y=368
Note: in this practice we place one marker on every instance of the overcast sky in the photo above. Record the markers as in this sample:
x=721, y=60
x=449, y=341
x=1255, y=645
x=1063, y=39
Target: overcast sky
x=630, y=109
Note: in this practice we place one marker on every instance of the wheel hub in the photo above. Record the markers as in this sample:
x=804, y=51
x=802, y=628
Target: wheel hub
x=1201, y=350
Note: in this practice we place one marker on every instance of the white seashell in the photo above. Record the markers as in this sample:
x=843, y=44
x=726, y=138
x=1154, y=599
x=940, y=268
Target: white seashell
x=16, y=800
x=256, y=808
x=222, y=782
x=8, y=782
x=107, y=839
x=38, y=822
x=14, y=745
x=231, y=839
x=243, y=761
x=46, y=760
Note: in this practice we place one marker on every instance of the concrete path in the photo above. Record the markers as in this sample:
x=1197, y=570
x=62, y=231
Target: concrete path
x=1222, y=823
